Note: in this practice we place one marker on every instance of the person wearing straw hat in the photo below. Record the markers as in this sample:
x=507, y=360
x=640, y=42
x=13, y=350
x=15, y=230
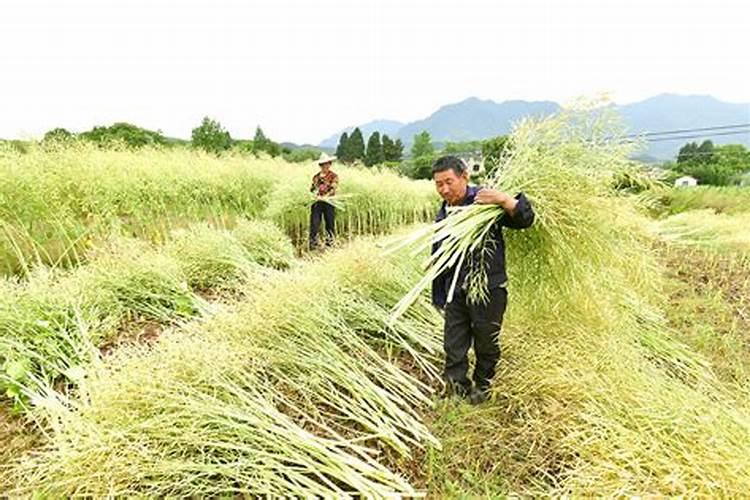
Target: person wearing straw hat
x=467, y=322
x=324, y=184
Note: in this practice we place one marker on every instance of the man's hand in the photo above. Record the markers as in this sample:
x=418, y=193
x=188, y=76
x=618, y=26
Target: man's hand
x=487, y=196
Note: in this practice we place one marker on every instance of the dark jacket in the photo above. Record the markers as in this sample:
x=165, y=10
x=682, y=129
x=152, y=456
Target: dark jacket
x=523, y=217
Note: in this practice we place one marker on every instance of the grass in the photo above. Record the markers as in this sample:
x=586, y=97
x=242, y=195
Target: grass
x=285, y=393
x=51, y=322
x=728, y=200
x=265, y=243
x=708, y=257
x=709, y=304
x=374, y=201
x=596, y=394
x=40, y=333
x=57, y=202
x=17, y=437
x=210, y=258
x=707, y=229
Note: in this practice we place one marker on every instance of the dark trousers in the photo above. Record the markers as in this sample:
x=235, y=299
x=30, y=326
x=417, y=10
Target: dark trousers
x=322, y=210
x=478, y=324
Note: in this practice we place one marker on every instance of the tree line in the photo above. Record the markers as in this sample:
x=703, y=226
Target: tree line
x=380, y=149
x=710, y=164
x=209, y=136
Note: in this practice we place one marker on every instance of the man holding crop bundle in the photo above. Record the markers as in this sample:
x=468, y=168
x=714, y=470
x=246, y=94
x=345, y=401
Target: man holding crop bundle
x=324, y=184
x=470, y=321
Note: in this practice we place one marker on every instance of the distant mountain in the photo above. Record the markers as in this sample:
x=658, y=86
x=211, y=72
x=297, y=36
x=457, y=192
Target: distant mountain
x=678, y=112
x=293, y=146
x=473, y=119
x=389, y=127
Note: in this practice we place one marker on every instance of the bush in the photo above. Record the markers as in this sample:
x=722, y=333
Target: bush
x=301, y=155
x=418, y=168
x=119, y=133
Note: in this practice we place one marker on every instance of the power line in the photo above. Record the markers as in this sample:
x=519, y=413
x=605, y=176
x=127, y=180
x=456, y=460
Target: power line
x=668, y=135
x=688, y=130
x=699, y=136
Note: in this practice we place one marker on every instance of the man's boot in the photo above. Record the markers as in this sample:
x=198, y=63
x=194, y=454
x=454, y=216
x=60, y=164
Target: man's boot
x=479, y=395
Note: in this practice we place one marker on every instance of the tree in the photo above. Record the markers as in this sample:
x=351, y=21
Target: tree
x=392, y=151
x=687, y=152
x=243, y=145
x=211, y=136
x=418, y=168
x=263, y=143
x=355, y=146
x=341, y=148
x=422, y=145
x=706, y=152
x=260, y=141
x=374, y=154
x=423, y=156
x=493, y=150
x=387, y=148
x=735, y=155
x=462, y=147
x=273, y=148
x=715, y=165
x=57, y=135
x=398, y=150
x=692, y=153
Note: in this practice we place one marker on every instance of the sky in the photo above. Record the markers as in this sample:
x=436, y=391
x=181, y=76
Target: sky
x=303, y=70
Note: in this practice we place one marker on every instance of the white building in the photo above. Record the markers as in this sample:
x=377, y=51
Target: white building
x=473, y=161
x=686, y=181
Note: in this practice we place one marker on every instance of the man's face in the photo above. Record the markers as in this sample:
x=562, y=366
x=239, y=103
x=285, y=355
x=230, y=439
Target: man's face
x=450, y=186
x=325, y=167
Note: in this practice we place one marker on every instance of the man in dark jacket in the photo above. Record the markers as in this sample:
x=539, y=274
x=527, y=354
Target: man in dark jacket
x=467, y=322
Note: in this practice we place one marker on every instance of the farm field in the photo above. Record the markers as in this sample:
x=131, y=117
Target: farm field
x=163, y=332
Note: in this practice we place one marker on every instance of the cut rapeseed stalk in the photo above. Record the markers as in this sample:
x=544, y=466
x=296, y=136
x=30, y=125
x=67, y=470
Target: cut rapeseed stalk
x=565, y=165
x=264, y=243
x=593, y=384
x=708, y=229
x=210, y=258
x=282, y=394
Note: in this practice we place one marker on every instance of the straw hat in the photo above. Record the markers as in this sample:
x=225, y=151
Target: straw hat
x=324, y=158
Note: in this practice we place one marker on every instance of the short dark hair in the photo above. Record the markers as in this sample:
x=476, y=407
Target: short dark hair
x=449, y=162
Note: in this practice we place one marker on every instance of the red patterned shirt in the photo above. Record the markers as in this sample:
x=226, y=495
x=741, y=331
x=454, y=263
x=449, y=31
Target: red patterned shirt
x=324, y=184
